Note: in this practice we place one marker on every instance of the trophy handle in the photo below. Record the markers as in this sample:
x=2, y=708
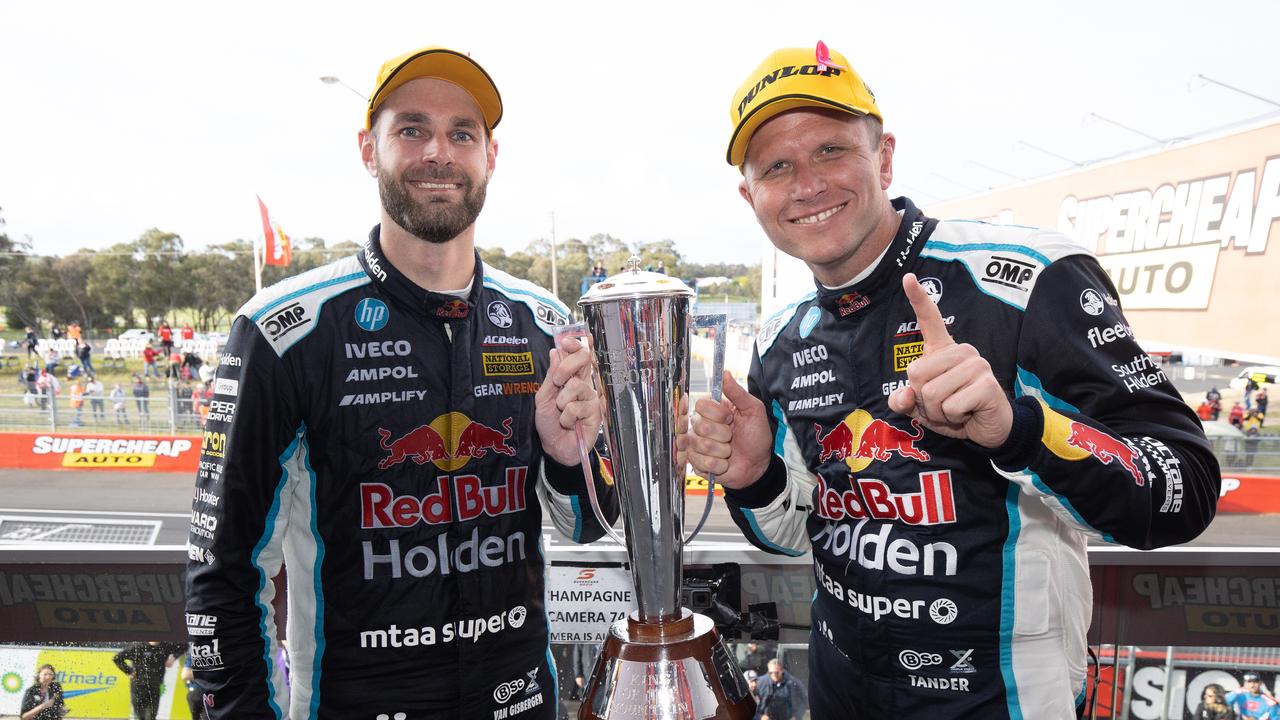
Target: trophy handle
x=579, y=332
x=717, y=322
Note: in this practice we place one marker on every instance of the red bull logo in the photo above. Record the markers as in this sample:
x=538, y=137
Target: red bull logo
x=871, y=498
x=456, y=308
x=460, y=497
x=860, y=439
x=1106, y=448
x=435, y=442
x=851, y=302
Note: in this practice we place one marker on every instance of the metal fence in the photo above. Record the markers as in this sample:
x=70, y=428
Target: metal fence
x=168, y=409
x=1248, y=455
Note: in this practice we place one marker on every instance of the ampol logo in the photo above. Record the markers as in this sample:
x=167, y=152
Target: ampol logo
x=449, y=441
x=859, y=439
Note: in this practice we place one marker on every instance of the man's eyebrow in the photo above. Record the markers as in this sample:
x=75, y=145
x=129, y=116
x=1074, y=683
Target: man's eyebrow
x=463, y=121
x=412, y=117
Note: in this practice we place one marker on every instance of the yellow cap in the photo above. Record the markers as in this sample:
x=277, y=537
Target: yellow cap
x=793, y=78
x=444, y=64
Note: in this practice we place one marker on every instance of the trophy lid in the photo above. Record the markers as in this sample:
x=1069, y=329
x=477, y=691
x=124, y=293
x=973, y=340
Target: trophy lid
x=634, y=283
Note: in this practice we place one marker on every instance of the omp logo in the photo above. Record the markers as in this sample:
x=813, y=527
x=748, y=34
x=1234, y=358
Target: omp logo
x=372, y=314
x=549, y=315
x=914, y=659
x=226, y=386
x=1008, y=272
x=285, y=320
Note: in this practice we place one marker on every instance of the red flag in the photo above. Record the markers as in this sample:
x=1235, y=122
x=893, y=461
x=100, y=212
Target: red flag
x=276, y=250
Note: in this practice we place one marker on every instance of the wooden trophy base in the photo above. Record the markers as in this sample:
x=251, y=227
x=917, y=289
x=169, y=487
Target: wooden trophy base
x=675, y=670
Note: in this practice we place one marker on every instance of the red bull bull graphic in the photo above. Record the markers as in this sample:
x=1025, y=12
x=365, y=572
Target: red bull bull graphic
x=860, y=439
x=1105, y=448
x=477, y=440
x=452, y=309
x=458, y=497
x=1071, y=440
x=449, y=441
x=871, y=498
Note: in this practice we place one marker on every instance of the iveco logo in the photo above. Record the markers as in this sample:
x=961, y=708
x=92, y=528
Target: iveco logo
x=285, y=321
x=372, y=314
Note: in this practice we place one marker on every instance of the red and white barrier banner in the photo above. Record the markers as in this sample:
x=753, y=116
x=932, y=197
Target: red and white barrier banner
x=1249, y=494
x=84, y=451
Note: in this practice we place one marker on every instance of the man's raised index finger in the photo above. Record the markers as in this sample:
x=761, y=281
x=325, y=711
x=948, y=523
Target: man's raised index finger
x=933, y=331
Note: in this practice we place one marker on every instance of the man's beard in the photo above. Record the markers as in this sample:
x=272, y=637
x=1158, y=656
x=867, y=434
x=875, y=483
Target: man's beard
x=434, y=221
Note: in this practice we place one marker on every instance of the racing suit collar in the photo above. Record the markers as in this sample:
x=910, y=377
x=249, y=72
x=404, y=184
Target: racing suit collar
x=885, y=279
x=441, y=306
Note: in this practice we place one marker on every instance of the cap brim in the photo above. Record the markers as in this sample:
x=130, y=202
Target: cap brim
x=451, y=67
x=737, y=153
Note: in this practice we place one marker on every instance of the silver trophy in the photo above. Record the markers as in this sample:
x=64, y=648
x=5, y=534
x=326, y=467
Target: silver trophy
x=663, y=662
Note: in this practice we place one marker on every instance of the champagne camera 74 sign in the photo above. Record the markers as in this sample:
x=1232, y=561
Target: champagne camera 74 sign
x=582, y=602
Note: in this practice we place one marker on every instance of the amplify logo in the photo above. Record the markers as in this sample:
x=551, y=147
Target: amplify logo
x=450, y=442
x=859, y=439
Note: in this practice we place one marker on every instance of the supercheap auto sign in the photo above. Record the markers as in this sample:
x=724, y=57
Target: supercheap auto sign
x=63, y=451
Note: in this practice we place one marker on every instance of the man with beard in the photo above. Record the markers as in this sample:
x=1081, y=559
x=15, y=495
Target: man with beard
x=391, y=427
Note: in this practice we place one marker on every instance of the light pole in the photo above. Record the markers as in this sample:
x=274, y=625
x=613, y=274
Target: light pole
x=335, y=80
x=1219, y=83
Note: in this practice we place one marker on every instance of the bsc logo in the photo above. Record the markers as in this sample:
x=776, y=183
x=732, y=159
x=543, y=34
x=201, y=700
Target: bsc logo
x=372, y=314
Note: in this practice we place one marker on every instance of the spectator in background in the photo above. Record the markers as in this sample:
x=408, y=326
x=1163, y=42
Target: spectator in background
x=117, y=403
x=188, y=334
x=756, y=657
x=27, y=379
x=93, y=390
x=1251, y=701
x=1252, y=429
x=142, y=397
x=48, y=386
x=149, y=368
x=55, y=332
x=84, y=352
x=50, y=359
x=753, y=685
x=145, y=663
x=32, y=341
x=1214, y=398
x=1236, y=416
x=1250, y=387
x=166, y=338
x=782, y=696
x=43, y=700
x=662, y=268
x=1213, y=705
x=191, y=363
x=174, y=371
x=73, y=332
x=77, y=401
x=1260, y=399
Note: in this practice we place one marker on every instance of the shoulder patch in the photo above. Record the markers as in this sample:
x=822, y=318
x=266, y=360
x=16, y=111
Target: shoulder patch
x=286, y=312
x=547, y=310
x=1004, y=260
x=772, y=327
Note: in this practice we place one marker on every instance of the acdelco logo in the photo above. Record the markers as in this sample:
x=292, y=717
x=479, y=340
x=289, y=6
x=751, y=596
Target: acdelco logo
x=285, y=320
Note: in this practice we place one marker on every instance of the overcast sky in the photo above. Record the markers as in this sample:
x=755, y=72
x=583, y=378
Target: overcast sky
x=118, y=117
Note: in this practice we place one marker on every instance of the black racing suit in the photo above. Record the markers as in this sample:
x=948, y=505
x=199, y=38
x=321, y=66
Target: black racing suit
x=953, y=581
x=379, y=440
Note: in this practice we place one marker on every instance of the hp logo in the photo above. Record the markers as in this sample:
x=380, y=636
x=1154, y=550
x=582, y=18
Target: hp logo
x=372, y=314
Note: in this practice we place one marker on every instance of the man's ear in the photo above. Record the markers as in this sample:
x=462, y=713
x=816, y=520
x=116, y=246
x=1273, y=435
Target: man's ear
x=745, y=192
x=369, y=152
x=887, y=145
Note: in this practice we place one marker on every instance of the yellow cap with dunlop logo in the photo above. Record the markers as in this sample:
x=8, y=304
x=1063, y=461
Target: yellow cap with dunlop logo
x=444, y=64
x=793, y=78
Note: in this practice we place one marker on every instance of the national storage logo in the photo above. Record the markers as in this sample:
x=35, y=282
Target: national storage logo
x=507, y=363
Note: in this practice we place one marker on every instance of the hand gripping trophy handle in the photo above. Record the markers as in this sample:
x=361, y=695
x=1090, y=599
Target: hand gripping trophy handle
x=579, y=332
x=716, y=324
